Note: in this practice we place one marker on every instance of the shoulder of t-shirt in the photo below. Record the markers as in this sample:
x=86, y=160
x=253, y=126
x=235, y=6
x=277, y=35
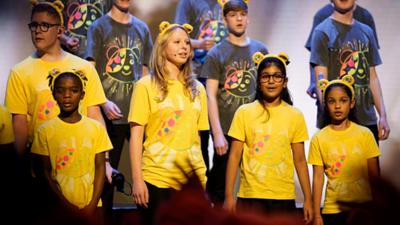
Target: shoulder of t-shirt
x=139, y=23
x=90, y=121
x=259, y=44
x=362, y=129
x=292, y=109
x=251, y=106
x=325, y=25
x=24, y=64
x=364, y=27
x=199, y=85
x=216, y=49
x=101, y=21
x=145, y=80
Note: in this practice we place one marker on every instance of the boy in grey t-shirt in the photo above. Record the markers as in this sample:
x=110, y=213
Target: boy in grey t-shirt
x=231, y=82
x=120, y=45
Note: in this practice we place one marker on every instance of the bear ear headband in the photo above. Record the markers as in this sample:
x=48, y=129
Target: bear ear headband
x=347, y=80
x=57, y=5
x=258, y=57
x=223, y=2
x=165, y=26
x=53, y=74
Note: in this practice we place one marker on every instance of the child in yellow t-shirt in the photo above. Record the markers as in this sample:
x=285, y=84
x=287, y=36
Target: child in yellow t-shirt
x=71, y=146
x=345, y=151
x=169, y=108
x=268, y=142
x=28, y=96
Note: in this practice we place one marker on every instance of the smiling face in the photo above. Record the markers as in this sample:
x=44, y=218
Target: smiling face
x=178, y=48
x=338, y=103
x=45, y=41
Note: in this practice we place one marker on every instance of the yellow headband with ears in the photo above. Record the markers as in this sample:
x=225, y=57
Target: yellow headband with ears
x=165, y=26
x=258, y=57
x=57, y=5
x=346, y=80
x=223, y=2
x=53, y=74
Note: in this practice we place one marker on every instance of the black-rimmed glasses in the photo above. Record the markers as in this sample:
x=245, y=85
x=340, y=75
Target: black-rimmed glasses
x=276, y=77
x=44, y=27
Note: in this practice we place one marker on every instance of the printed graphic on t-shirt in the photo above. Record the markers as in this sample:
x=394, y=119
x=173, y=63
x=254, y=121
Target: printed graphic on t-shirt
x=240, y=83
x=347, y=171
x=265, y=159
x=47, y=106
x=214, y=29
x=123, y=57
x=81, y=14
x=354, y=62
x=72, y=157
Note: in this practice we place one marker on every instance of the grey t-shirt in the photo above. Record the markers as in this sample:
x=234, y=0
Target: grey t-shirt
x=120, y=51
x=348, y=50
x=206, y=17
x=234, y=69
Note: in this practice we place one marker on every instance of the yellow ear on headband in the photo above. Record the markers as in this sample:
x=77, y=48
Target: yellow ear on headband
x=53, y=74
x=57, y=5
x=258, y=57
x=346, y=80
x=165, y=26
x=223, y=2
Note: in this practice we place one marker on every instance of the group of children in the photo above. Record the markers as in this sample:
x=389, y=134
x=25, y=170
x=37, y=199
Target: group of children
x=55, y=98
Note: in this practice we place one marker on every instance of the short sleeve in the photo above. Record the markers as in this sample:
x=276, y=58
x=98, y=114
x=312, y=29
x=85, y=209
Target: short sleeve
x=319, y=49
x=203, y=120
x=16, y=95
x=40, y=142
x=211, y=68
x=6, y=129
x=372, y=149
x=237, y=129
x=94, y=93
x=139, y=111
x=93, y=45
x=300, y=133
x=314, y=155
x=103, y=141
x=147, y=48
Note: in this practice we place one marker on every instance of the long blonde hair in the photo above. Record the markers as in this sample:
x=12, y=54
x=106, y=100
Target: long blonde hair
x=159, y=70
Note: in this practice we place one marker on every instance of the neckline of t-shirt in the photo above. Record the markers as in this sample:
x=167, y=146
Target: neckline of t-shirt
x=71, y=124
x=343, y=24
x=65, y=58
x=341, y=132
x=130, y=23
x=237, y=46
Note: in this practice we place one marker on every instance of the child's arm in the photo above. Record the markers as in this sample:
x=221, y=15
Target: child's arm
x=99, y=174
x=139, y=189
x=235, y=156
x=300, y=164
x=45, y=167
x=318, y=182
x=383, y=126
x=20, y=127
x=373, y=172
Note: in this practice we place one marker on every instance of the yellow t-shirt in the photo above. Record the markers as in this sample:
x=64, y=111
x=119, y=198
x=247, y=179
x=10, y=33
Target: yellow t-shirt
x=28, y=91
x=172, y=144
x=344, y=154
x=72, y=148
x=267, y=168
x=6, y=129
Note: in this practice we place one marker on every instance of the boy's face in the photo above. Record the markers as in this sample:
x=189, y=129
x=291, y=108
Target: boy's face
x=67, y=93
x=122, y=4
x=343, y=6
x=236, y=22
x=45, y=31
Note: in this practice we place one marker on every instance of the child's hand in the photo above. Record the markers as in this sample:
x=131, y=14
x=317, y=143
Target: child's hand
x=220, y=144
x=140, y=193
x=308, y=212
x=230, y=204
